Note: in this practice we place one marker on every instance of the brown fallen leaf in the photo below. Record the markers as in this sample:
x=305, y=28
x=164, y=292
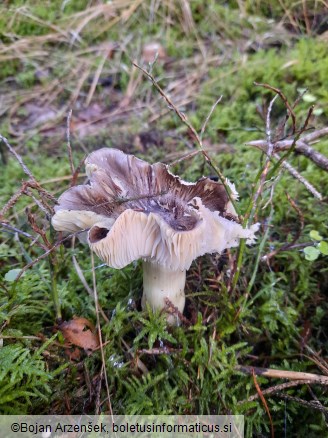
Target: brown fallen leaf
x=73, y=353
x=81, y=332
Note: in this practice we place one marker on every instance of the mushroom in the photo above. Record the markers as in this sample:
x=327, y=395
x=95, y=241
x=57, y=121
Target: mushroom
x=134, y=210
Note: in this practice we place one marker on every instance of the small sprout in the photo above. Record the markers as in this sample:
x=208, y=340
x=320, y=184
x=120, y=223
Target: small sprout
x=320, y=247
x=12, y=274
x=317, y=111
x=311, y=253
x=314, y=235
x=309, y=98
x=323, y=248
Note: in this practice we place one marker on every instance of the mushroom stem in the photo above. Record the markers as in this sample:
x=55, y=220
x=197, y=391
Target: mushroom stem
x=160, y=283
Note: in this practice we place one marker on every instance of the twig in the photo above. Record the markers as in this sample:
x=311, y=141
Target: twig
x=282, y=374
x=265, y=170
x=36, y=228
x=278, y=388
x=77, y=171
x=139, y=363
x=318, y=402
x=42, y=205
x=309, y=138
x=301, y=147
x=45, y=254
x=18, y=158
x=302, y=180
x=185, y=157
x=315, y=156
x=313, y=405
x=22, y=233
x=319, y=159
x=284, y=99
x=297, y=137
x=24, y=191
x=159, y=351
x=173, y=310
x=317, y=359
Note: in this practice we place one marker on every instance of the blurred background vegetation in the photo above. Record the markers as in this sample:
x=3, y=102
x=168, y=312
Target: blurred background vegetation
x=62, y=55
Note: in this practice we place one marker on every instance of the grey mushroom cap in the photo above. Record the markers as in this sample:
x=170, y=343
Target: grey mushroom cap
x=137, y=210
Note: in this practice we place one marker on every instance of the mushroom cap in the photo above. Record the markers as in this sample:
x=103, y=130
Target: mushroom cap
x=137, y=210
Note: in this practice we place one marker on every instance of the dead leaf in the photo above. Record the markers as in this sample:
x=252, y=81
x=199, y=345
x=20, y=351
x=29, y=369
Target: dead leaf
x=74, y=354
x=80, y=332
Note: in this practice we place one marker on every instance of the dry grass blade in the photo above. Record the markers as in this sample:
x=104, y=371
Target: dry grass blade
x=291, y=244
x=285, y=100
x=258, y=389
x=99, y=332
x=43, y=23
x=209, y=116
x=68, y=136
x=84, y=281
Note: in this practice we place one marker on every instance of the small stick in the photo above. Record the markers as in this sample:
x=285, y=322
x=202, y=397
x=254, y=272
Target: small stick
x=262, y=143
x=282, y=374
x=284, y=99
x=18, y=158
x=77, y=171
x=303, y=180
x=22, y=233
x=44, y=255
x=313, y=405
x=278, y=388
x=173, y=310
x=159, y=351
x=301, y=147
x=315, y=135
x=297, y=137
